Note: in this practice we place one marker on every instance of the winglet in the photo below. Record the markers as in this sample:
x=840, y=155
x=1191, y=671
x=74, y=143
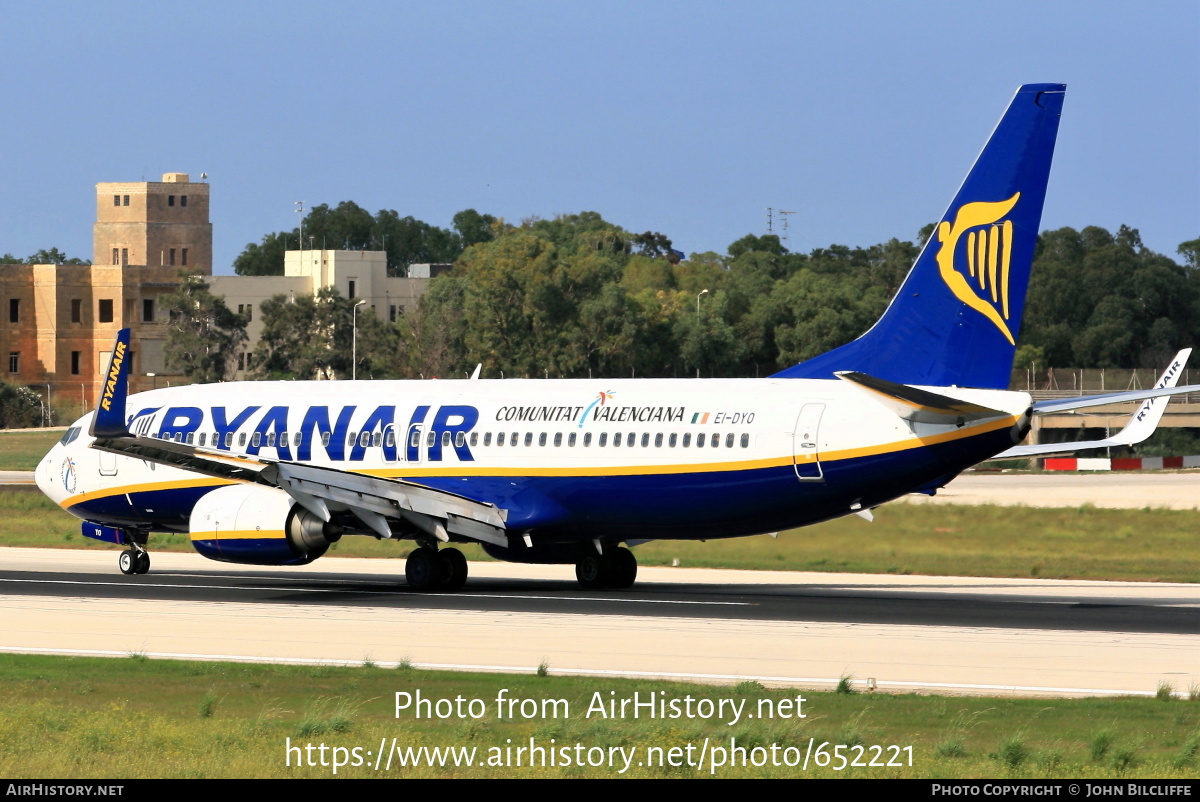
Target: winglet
x=1142, y=423
x=109, y=420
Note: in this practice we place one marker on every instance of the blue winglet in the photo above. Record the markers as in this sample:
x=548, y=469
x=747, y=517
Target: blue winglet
x=109, y=420
x=955, y=319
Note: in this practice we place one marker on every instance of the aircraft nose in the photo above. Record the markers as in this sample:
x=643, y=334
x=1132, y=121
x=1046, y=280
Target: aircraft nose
x=46, y=475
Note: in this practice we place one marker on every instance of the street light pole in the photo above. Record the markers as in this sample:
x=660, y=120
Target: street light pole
x=702, y=292
x=354, y=340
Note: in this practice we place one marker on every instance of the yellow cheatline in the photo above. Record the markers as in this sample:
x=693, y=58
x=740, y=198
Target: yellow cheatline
x=141, y=488
x=239, y=534
x=612, y=470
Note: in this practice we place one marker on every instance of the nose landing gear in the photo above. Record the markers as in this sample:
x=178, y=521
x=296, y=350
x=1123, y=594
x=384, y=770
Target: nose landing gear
x=134, y=560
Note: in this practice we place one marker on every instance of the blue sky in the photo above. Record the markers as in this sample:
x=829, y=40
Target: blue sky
x=687, y=118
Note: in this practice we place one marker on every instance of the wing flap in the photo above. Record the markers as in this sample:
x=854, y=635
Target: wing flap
x=392, y=498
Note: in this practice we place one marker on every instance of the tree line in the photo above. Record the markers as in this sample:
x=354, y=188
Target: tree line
x=43, y=257
x=349, y=227
x=577, y=296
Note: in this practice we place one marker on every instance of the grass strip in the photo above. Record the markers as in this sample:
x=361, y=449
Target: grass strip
x=64, y=717
x=944, y=540
x=23, y=450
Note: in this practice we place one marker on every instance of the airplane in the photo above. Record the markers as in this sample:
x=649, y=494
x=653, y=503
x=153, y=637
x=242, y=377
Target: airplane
x=565, y=471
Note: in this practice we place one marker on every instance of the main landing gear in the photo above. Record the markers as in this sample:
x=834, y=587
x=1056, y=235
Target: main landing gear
x=134, y=560
x=430, y=569
x=615, y=568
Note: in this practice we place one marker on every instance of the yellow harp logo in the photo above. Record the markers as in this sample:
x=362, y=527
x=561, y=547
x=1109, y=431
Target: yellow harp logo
x=988, y=248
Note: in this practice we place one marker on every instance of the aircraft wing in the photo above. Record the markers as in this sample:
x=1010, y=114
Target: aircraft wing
x=372, y=499
x=1141, y=424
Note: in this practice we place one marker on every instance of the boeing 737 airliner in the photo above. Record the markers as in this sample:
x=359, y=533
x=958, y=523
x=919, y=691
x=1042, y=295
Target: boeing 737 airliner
x=564, y=471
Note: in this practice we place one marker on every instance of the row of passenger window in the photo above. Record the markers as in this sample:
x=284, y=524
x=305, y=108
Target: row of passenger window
x=671, y=440
x=369, y=439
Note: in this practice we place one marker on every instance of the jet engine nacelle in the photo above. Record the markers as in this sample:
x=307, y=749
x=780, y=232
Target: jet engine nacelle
x=258, y=526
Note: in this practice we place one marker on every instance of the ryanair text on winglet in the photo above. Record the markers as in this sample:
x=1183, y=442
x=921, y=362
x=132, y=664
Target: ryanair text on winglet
x=114, y=368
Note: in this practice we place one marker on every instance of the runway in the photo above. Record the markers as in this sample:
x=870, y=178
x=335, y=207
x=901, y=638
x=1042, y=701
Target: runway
x=1019, y=636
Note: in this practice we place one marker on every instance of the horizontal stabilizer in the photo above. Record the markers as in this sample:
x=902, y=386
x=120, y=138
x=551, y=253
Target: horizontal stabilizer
x=915, y=405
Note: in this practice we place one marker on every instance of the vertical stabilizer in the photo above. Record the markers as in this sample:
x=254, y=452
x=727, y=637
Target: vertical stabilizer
x=955, y=319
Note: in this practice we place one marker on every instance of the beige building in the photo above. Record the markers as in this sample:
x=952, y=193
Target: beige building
x=155, y=223
x=59, y=321
x=358, y=275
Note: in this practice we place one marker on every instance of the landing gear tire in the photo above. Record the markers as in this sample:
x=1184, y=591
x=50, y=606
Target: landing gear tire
x=592, y=571
x=143, y=562
x=128, y=562
x=622, y=568
x=423, y=569
x=454, y=569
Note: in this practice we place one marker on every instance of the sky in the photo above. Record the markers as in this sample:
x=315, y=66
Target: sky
x=687, y=118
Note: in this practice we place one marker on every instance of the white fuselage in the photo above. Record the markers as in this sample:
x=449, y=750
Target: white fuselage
x=570, y=458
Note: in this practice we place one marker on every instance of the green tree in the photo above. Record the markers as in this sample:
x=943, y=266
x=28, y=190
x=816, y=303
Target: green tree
x=408, y=240
x=473, y=227
x=1102, y=300
x=265, y=259
x=43, y=257
x=705, y=340
x=20, y=407
x=203, y=335
x=823, y=312
x=767, y=243
x=313, y=337
x=53, y=257
x=1190, y=251
x=348, y=226
x=432, y=335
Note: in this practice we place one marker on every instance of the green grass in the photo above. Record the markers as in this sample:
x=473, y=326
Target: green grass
x=944, y=540
x=85, y=717
x=988, y=540
x=21, y=451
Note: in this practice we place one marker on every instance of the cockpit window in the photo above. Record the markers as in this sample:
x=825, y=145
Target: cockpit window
x=69, y=435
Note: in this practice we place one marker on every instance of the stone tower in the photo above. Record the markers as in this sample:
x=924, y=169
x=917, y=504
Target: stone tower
x=154, y=223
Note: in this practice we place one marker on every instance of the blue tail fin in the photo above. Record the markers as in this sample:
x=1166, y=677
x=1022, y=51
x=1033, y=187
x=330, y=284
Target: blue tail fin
x=955, y=319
